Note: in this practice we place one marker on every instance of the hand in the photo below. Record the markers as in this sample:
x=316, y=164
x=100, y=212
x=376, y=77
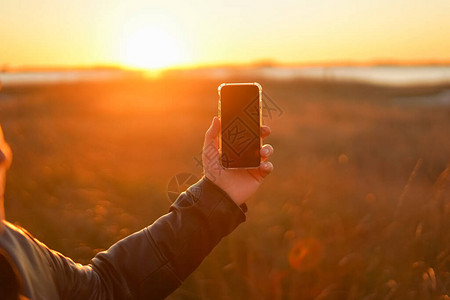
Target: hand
x=239, y=184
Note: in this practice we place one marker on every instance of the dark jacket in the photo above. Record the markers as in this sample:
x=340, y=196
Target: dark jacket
x=149, y=264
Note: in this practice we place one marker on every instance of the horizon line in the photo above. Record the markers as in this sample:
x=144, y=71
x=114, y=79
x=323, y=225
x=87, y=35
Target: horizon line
x=6, y=67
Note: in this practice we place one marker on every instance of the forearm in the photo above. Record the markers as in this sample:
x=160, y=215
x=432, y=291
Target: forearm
x=198, y=220
x=152, y=263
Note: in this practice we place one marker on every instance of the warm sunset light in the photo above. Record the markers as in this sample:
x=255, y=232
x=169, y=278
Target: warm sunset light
x=149, y=48
x=110, y=110
x=148, y=34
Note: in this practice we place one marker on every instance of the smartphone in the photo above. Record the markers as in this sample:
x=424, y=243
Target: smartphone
x=240, y=132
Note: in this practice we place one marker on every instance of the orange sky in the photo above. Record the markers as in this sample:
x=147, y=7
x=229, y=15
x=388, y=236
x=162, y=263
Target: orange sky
x=152, y=34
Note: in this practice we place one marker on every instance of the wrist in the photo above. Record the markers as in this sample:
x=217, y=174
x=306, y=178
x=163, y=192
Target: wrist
x=239, y=202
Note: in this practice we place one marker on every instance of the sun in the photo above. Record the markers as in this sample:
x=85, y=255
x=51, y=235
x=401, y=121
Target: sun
x=150, y=47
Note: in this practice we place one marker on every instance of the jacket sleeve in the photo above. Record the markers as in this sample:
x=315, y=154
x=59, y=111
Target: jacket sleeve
x=152, y=263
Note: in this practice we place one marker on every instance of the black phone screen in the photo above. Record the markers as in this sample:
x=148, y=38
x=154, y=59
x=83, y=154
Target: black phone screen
x=240, y=138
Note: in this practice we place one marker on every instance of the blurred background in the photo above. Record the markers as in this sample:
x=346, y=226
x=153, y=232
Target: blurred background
x=104, y=102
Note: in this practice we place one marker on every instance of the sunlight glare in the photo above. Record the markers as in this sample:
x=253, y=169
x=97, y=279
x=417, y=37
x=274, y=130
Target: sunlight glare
x=150, y=47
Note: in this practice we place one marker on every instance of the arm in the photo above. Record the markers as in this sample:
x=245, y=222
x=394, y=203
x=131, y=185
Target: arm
x=149, y=264
x=153, y=262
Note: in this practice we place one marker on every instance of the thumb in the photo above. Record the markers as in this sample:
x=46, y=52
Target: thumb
x=213, y=132
x=210, y=153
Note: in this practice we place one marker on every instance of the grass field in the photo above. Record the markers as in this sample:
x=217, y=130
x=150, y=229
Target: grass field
x=358, y=206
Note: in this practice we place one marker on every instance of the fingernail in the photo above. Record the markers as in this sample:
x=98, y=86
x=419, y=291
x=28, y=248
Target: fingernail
x=265, y=151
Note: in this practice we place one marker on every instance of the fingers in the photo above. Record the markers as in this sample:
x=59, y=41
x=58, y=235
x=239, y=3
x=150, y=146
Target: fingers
x=265, y=131
x=266, y=151
x=265, y=168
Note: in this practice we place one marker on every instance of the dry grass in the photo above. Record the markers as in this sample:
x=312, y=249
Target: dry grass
x=358, y=206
